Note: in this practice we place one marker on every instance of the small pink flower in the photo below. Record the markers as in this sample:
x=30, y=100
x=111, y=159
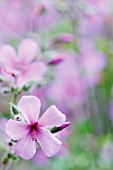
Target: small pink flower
x=23, y=66
x=66, y=37
x=35, y=129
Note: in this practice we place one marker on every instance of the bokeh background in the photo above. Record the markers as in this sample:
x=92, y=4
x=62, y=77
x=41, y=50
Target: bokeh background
x=76, y=43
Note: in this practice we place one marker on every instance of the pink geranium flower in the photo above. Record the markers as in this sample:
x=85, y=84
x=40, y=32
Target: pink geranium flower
x=23, y=66
x=35, y=129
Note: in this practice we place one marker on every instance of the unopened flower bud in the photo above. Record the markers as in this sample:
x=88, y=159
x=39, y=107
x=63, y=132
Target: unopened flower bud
x=14, y=88
x=65, y=125
x=27, y=86
x=57, y=129
x=66, y=37
x=6, y=90
x=55, y=61
x=14, y=109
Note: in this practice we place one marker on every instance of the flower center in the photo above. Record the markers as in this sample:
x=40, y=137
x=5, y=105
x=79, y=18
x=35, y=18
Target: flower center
x=34, y=128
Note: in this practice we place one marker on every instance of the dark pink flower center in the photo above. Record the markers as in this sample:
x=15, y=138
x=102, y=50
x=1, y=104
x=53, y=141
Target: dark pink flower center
x=33, y=129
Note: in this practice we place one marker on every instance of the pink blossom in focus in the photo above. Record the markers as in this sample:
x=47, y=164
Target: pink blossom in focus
x=22, y=68
x=35, y=129
x=61, y=135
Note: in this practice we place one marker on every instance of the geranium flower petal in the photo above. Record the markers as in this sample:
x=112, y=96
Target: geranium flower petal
x=7, y=55
x=16, y=130
x=26, y=147
x=35, y=71
x=30, y=108
x=28, y=50
x=48, y=142
x=52, y=117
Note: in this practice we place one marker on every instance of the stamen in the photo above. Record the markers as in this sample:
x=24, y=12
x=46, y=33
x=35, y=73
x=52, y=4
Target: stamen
x=33, y=135
x=34, y=129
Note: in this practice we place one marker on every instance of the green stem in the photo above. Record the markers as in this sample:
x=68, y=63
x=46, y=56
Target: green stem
x=6, y=167
x=15, y=98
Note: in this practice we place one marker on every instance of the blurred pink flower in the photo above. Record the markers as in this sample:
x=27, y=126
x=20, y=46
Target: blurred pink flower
x=93, y=18
x=66, y=37
x=90, y=26
x=43, y=15
x=22, y=68
x=13, y=22
x=101, y=6
x=68, y=88
x=92, y=62
x=34, y=15
x=35, y=130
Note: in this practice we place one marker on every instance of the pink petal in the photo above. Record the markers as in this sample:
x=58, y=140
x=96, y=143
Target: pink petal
x=7, y=55
x=26, y=147
x=52, y=117
x=33, y=72
x=48, y=142
x=16, y=130
x=21, y=81
x=30, y=108
x=28, y=50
